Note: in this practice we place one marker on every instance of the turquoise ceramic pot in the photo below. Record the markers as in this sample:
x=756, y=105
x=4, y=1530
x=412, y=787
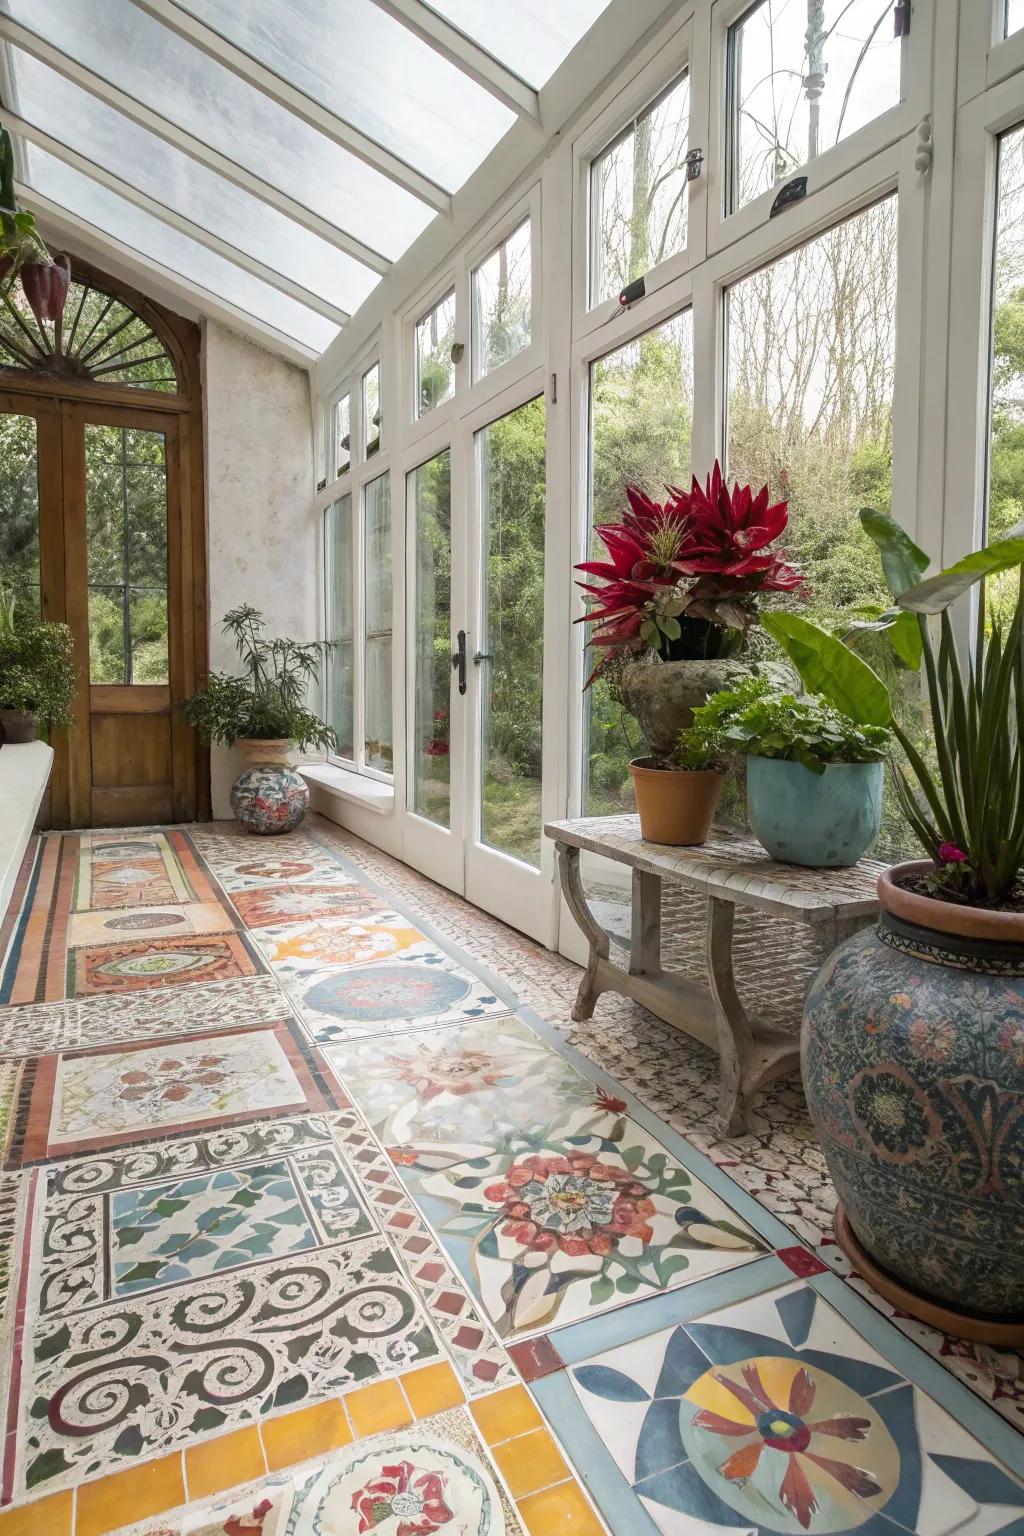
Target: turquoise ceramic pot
x=824, y=820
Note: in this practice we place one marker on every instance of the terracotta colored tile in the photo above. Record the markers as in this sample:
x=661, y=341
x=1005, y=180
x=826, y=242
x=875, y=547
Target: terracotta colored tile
x=534, y=1358
x=432, y=1389
x=125, y=1497
x=530, y=1462
x=221, y=1463
x=307, y=1432
x=561, y=1511
x=44, y=1517
x=507, y=1413
x=381, y=1406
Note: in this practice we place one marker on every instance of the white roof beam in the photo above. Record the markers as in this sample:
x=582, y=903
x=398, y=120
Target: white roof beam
x=22, y=37
x=60, y=224
x=178, y=221
x=171, y=15
x=466, y=55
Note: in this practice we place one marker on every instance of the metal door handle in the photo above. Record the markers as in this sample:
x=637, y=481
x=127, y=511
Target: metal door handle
x=459, y=660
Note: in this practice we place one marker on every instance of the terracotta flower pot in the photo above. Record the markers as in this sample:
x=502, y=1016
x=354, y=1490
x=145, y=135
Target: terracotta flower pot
x=913, y=1062
x=256, y=750
x=676, y=805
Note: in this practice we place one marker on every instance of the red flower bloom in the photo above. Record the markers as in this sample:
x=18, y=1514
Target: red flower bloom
x=576, y=1204
x=605, y=1101
x=404, y=1491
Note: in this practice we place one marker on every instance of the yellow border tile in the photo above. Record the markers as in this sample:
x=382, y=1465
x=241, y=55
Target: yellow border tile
x=530, y=1462
x=304, y=1433
x=433, y=1389
x=505, y=1414
x=223, y=1463
x=43, y=1517
x=378, y=1407
x=560, y=1511
x=124, y=1497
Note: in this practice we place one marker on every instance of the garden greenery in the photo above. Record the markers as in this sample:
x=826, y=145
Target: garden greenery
x=755, y=720
x=37, y=669
x=267, y=703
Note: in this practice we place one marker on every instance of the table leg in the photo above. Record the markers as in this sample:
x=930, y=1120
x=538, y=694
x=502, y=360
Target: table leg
x=576, y=901
x=735, y=1033
x=645, y=932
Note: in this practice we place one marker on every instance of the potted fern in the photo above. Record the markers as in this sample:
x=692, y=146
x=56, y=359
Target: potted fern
x=913, y=1044
x=37, y=672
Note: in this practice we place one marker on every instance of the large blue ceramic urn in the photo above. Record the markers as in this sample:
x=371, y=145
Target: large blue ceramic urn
x=913, y=1064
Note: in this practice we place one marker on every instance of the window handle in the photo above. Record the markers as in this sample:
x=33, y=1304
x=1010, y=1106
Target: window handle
x=459, y=660
x=479, y=656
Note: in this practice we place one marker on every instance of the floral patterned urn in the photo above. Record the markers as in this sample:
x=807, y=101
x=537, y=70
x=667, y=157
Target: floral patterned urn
x=913, y=1063
x=269, y=796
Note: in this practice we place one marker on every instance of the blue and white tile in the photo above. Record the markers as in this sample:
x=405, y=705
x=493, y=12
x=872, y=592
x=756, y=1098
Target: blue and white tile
x=390, y=997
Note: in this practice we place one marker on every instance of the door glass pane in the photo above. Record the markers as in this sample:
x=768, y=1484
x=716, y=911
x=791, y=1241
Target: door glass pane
x=435, y=372
x=339, y=572
x=501, y=303
x=512, y=462
x=126, y=544
x=371, y=410
x=19, y=510
x=1006, y=405
x=342, y=435
x=378, y=746
x=1014, y=19
x=641, y=416
x=638, y=195
x=432, y=599
x=803, y=77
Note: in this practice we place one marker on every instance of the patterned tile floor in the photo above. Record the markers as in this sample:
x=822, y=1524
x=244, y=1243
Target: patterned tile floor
x=318, y=1216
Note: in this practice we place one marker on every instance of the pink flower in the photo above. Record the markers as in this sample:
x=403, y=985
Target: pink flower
x=949, y=853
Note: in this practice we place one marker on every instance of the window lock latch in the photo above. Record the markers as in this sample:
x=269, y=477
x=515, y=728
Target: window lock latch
x=901, y=18
x=694, y=164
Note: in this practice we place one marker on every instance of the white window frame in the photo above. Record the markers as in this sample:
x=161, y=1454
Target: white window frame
x=411, y=425
x=986, y=56
x=476, y=391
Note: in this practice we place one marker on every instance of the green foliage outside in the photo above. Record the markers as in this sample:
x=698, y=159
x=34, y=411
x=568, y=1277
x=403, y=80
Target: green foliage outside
x=37, y=669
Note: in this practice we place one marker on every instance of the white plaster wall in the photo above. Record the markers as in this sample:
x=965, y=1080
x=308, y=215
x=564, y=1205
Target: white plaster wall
x=261, y=547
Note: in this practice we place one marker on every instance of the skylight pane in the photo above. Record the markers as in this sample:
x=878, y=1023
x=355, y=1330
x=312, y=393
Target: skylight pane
x=374, y=73
x=130, y=50
x=110, y=140
x=158, y=242
x=530, y=37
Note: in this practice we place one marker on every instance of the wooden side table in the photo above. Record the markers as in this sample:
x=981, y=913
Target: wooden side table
x=731, y=871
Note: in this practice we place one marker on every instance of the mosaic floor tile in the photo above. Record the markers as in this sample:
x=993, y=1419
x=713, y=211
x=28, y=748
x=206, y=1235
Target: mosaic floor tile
x=466, y=1087
x=130, y=871
x=84, y=1100
x=270, y=905
x=294, y=950
x=775, y=1416
x=584, y=1216
x=390, y=997
x=132, y=967
x=114, y=926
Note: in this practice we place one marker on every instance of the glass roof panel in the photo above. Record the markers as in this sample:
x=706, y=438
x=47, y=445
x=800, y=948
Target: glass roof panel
x=132, y=51
x=530, y=37
x=110, y=140
x=393, y=87
x=156, y=241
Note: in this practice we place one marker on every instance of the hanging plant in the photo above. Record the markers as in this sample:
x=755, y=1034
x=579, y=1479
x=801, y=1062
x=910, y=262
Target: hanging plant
x=23, y=254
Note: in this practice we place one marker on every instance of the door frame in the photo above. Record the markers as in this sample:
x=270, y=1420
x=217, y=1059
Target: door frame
x=60, y=407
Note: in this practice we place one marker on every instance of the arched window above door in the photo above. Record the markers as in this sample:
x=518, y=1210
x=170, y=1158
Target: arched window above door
x=102, y=340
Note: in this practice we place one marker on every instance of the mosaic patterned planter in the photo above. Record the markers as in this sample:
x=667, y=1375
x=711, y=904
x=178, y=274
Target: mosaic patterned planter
x=269, y=798
x=913, y=1063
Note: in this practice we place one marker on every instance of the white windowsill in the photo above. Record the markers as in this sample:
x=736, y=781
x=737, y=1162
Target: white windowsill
x=371, y=794
x=24, y=772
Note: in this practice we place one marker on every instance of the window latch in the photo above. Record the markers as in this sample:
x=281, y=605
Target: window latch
x=459, y=660
x=694, y=164
x=901, y=19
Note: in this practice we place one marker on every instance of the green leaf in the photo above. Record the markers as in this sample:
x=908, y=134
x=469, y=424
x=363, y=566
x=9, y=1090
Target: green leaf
x=901, y=627
x=830, y=668
x=903, y=564
x=601, y=1290
x=935, y=594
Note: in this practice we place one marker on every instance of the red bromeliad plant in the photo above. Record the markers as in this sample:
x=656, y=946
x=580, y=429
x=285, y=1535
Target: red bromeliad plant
x=683, y=577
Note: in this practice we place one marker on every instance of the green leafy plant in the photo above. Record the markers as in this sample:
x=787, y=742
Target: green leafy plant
x=37, y=668
x=967, y=813
x=268, y=701
x=756, y=720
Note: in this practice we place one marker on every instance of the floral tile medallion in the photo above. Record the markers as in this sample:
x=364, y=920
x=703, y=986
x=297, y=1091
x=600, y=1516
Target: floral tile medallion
x=294, y=950
x=266, y=906
x=77, y=1101
x=591, y=1213
x=117, y=925
x=134, y=967
x=390, y=997
x=774, y=1416
x=465, y=1087
x=132, y=870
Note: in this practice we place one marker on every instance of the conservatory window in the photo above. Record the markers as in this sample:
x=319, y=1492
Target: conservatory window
x=638, y=201
x=1013, y=18
x=502, y=302
x=339, y=588
x=1006, y=386
x=802, y=79
x=378, y=740
x=435, y=371
x=431, y=508
x=19, y=507
x=341, y=435
x=641, y=417
x=371, y=411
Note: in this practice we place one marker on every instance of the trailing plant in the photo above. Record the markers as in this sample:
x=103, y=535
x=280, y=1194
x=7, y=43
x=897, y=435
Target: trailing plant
x=37, y=668
x=44, y=278
x=755, y=720
x=684, y=577
x=268, y=701
x=967, y=812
